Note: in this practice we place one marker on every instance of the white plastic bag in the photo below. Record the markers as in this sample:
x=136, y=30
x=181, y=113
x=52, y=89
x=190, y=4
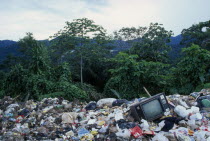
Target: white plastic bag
x=196, y=116
x=183, y=103
x=69, y=117
x=159, y=137
x=200, y=135
x=160, y=125
x=70, y=133
x=12, y=106
x=182, y=137
x=103, y=129
x=51, y=119
x=191, y=123
x=118, y=116
x=105, y=102
x=181, y=111
x=91, y=121
x=144, y=125
x=195, y=109
x=125, y=133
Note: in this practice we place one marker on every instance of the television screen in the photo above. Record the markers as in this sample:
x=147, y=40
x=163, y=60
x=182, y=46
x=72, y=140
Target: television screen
x=152, y=109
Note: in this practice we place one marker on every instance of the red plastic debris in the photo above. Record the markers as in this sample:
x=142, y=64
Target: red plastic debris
x=136, y=131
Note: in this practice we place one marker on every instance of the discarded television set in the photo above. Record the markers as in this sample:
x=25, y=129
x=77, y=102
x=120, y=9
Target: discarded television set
x=150, y=109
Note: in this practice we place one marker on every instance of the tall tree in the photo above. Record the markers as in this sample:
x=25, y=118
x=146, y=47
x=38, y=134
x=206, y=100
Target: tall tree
x=127, y=36
x=30, y=75
x=193, y=69
x=153, y=44
x=197, y=34
x=129, y=33
x=80, y=31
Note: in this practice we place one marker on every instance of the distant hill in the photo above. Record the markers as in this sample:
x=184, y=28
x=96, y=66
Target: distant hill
x=11, y=47
x=8, y=47
x=175, y=47
x=173, y=54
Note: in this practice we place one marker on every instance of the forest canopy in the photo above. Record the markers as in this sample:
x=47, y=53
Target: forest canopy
x=80, y=62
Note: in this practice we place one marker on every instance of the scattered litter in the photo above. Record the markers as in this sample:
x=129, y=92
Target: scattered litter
x=58, y=119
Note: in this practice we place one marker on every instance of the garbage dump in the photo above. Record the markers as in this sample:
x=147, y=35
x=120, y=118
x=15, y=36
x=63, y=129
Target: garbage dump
x=158, y=118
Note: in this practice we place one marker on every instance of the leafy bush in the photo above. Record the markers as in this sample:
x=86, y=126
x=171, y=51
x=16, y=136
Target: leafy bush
x=192, y=70
x=91, y=92
x=70, y=91
x=129, y=77
x=2, y=93
x=206, y=86
x=73, y=92
x=52, y=95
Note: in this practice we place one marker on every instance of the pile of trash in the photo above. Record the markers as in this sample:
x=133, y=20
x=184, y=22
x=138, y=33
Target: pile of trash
x=108, y=119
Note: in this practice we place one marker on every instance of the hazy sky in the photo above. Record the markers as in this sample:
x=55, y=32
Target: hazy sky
x=45, y=17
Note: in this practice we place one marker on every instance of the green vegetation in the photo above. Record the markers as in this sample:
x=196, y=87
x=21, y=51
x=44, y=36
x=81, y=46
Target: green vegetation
x=78, y=63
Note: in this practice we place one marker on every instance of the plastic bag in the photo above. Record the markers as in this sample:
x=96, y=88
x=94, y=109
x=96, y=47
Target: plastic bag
x=119, y=102
x=91, y=106
x=70, y=133
x=181, y=111
x=183, y=103
x=206, y=103
x=159, y=137
x=105, y=102
x=118, y=116
x=191, y=124
x=160, y=126
x=196, y=116
x=136, y=132
x=51, y=119
x=82, y=132
x=9, y=110
x=170, y=136
x=100, y=123
x=92, y=121
x=69, y=117
x=195, y=109
x=68, y=106
x=200, y=135
x=144, y=125
x=182, y=137
x=125, y=133
x=103, y=129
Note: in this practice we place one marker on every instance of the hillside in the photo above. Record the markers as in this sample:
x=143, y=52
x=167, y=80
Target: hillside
x=8, y=47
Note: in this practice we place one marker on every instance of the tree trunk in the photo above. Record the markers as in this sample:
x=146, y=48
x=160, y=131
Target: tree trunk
x=81, y=70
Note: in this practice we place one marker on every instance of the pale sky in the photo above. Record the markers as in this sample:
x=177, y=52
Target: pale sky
x=45, y=17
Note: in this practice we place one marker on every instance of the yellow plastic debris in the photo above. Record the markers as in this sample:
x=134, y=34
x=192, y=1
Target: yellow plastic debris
x=94, y=133
x=100, y=123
